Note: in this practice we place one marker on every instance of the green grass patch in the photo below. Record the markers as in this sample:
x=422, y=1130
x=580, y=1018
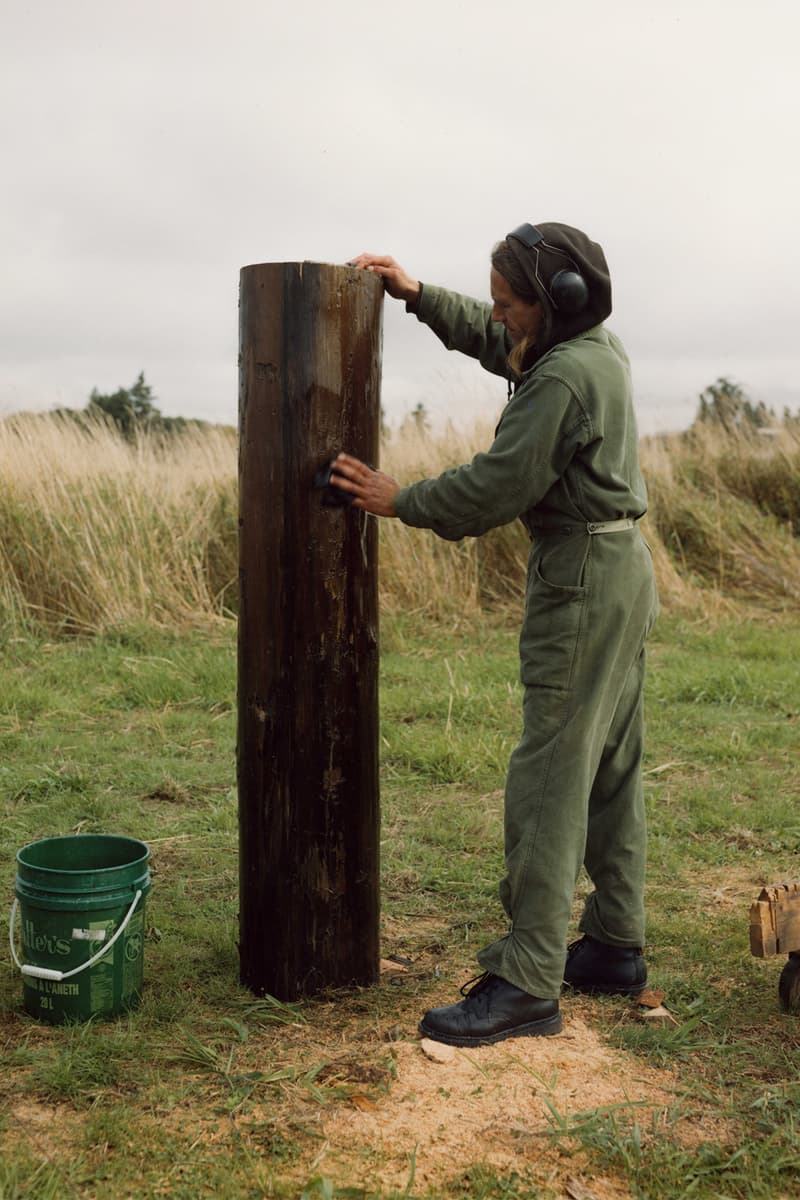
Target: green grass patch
x=208, y=1091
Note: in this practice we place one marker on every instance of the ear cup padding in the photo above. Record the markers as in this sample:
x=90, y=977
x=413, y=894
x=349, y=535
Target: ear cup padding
x=569, y=292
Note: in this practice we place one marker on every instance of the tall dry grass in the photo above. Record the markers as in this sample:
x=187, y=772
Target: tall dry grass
x=726, y=509
x=97, y=533
x=723, y=525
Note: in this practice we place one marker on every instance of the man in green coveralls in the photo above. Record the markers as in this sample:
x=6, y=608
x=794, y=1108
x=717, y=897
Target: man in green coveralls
x=565, y=461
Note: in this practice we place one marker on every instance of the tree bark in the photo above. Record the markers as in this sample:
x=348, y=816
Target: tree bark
x=309, y=386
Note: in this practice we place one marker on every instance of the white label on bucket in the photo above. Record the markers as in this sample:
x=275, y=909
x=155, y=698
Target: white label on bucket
x=88, y=935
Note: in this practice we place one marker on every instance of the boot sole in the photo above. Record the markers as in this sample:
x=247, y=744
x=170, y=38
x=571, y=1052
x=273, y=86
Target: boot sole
x=605, y=989
x=547, y=1027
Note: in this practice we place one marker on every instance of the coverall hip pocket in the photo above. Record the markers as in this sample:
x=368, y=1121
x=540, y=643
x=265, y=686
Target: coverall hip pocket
x=562, y=563
x=554, y=611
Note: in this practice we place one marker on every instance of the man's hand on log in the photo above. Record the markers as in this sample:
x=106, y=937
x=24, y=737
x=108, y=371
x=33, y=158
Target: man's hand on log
x=397, y=282
x=371, y=490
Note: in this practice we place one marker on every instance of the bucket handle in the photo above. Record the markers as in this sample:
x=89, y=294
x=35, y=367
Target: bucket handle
x=57, y=976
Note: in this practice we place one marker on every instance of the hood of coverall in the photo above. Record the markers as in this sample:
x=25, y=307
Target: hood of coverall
x=563, y=248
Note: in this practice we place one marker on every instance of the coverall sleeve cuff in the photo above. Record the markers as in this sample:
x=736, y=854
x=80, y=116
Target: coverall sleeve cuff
x=404, y=506
x=426, y=305
x=412, y=306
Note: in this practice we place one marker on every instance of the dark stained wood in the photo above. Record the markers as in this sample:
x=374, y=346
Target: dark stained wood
x=309, y=386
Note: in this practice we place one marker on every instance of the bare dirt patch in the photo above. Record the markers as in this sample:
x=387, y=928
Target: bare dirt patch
x=493, y=1106
x=49, y=1129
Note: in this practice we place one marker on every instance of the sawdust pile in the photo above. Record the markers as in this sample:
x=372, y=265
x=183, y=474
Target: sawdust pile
x=493, y=1105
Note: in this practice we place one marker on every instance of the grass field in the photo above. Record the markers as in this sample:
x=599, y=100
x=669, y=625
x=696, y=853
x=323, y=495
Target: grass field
x=206, y=1091
x=117, y=631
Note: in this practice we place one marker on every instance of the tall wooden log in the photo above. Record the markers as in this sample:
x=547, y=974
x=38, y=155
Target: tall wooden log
x=309, y=386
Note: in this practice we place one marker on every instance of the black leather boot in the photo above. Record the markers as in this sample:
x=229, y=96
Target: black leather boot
x=491, y=1011
x=596, y=967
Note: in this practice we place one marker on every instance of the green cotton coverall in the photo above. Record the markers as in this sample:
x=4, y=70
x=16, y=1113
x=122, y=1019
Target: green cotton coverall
x=565, y=456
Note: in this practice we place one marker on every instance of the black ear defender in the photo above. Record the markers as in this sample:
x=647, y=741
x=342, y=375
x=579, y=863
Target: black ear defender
x=568, y=290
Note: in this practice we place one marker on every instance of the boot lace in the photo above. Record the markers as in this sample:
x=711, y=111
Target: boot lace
x=476, y=984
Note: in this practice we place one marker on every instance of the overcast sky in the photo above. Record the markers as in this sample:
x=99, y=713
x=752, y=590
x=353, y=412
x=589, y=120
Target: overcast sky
x=151, y=149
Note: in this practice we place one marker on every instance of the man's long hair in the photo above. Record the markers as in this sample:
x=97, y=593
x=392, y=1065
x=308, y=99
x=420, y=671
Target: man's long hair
x=505, y=263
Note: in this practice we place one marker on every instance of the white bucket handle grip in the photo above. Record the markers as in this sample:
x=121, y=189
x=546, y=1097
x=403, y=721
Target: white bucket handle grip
x=57, y=976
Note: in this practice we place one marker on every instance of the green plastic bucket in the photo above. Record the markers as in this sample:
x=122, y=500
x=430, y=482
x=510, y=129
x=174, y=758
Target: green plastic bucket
x=81, y=903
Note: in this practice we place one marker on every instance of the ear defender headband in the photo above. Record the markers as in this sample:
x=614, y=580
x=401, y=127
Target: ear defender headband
x=568, y=291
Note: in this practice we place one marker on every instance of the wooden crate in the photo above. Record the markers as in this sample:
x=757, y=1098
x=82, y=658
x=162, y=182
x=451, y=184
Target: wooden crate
x=775, y=921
